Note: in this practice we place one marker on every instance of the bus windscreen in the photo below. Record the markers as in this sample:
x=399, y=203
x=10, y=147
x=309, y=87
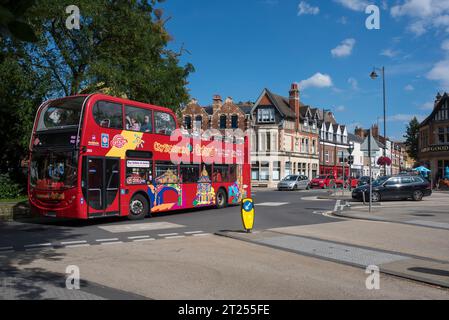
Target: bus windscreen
x=60, y=114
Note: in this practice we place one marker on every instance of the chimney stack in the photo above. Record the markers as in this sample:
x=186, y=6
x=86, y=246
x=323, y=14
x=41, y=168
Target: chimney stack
x=375, y=131
x=294, y=102
x=437, y=100
x=359, y=132
x=217, y=103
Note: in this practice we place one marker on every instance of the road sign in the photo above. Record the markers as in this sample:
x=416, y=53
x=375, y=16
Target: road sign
x=370, y=140
x=248, y=214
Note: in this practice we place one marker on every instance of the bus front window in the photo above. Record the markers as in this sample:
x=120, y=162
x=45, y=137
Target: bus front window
x=63, y=113
x=53, y=170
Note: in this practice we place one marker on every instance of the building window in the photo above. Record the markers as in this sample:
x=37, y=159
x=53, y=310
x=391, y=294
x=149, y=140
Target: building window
x=188, y=122
x=265, y=115
x=223, y=120
x=255, y=171
x=265, y=171
x=313, y=146
x=288, y=168
x=235, y=121
x=326, y=156
x=198, y=122
x=276, y=170
x=441, y=135
x=268, y=141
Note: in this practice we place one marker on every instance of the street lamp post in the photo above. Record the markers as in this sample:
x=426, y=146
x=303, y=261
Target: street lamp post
x=374, y=76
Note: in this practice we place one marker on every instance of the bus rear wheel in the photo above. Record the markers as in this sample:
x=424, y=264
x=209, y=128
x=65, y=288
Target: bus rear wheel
x=138, y=207
x=222, y=199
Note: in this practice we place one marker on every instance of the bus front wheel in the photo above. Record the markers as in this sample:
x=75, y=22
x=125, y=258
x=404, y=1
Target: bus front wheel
x=222, y=199
x=138, y=207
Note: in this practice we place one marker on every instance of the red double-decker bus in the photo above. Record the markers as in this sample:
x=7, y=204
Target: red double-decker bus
x=98, y=156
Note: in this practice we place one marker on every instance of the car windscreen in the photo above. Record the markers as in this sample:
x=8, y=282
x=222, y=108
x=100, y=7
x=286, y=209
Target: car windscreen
x=291, y=178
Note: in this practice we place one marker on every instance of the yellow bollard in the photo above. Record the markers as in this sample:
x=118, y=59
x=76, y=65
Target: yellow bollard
x=248, y=214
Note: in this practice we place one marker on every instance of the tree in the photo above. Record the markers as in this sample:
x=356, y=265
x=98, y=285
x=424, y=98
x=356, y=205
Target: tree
x=121, y=46
x=412, y=136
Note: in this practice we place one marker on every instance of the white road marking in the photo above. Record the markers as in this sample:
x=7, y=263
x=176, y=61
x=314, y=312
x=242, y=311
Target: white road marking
x=106, y=240
x=6, y=248
x=138, y=237
x=73, y=242
x=144, y=240
x=202, y=234
x=168, y=234
x=139, y=227
x=111, y=243
x=272, y=204
x=193, y=232
x=337, y=205
x=175, y=237
x=38, y=245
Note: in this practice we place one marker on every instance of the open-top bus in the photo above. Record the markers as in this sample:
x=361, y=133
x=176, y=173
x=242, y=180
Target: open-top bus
x=97, y=156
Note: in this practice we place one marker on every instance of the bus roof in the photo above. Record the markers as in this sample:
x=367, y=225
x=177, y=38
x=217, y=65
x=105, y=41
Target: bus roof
x=116, y=99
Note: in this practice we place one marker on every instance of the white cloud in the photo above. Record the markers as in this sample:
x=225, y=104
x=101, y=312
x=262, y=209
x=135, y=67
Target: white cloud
x=427, y=106
x=409, y=87
x=440, y=70
x=356, y=5
x=318, y=80
x=424, y=14
x=354, y=83
x=305, y=8
x=389, y=53
x=405, y=117
x=344, y=49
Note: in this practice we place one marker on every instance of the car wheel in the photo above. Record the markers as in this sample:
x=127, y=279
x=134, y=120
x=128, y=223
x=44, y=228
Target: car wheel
x=222, y=199
x=418, y=195
x=375, y=197
x=138, y=207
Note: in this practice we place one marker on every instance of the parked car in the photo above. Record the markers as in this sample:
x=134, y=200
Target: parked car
x=363, y=181
x=395, y=188
x=346, y=182
x=323, y=182
x=294, y=182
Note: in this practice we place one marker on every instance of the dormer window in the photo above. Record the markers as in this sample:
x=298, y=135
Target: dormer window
x=188, y=122
x=265, y=115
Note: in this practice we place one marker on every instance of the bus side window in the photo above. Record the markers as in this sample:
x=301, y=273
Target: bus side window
x=108, y=114
x=164, y=123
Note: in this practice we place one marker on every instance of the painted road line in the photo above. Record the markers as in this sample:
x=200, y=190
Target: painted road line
x=140, y=227
x=175, y=237
x=66, y=243
x=272, y=204
x=337, y=205
x=168, y=234
x=202, y=234
x=39, y=245
x=78, y=245
x=138, y=237
x=111, y=243
x=6, y=249
x=193, y=232
x=144, y=240
x=107, y=240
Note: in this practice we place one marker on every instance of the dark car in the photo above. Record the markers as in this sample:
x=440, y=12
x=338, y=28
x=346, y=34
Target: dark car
x=395, y=188
x=363, y=181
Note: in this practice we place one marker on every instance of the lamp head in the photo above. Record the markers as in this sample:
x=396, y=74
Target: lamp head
x=374, y=75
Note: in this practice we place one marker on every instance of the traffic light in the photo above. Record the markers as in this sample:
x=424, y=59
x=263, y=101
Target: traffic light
x=351, y=160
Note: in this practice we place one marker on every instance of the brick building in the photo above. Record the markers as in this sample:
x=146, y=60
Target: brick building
x=285, y=138
x=434, y=140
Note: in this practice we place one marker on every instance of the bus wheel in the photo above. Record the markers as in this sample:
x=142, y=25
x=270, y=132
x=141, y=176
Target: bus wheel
x=138, y=207
x=222, y=199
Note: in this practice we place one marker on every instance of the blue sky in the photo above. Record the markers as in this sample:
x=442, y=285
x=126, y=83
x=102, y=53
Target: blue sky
x=239, y=47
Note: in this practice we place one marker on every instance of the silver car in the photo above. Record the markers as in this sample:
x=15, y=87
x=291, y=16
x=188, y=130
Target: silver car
x=294, y=182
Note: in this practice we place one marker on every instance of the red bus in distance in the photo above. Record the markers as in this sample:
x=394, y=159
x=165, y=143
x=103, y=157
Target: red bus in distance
x=98, y=156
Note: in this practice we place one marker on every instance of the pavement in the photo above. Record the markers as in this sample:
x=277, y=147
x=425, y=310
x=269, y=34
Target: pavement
x=298, y=250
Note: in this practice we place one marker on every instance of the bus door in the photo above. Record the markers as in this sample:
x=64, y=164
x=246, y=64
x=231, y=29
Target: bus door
x=103, y=186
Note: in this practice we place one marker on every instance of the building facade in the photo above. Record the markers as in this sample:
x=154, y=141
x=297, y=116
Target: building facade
x=334, y=144
x=434, y=140
x=285, y=138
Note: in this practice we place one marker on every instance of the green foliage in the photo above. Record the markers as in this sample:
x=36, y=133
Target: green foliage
x=11, y=12
x=412, y=138
x=8, y=188
x=121, y=48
